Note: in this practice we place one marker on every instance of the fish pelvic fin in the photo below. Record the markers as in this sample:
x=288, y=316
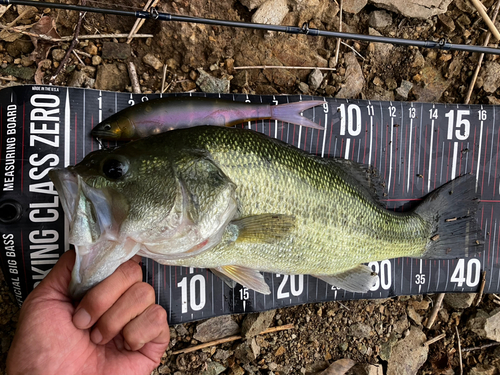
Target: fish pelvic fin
x=267, y=228
x=451, y=209
x=291, y=112
x=358, y=279
x=249, y=278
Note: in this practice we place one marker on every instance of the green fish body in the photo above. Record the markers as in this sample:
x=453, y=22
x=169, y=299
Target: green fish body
x=238, y=202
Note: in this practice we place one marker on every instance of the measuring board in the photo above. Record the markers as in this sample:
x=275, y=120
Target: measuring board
x=416, y=147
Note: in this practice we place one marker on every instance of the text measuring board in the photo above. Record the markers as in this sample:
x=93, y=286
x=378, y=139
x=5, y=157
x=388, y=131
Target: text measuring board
x=416, y=147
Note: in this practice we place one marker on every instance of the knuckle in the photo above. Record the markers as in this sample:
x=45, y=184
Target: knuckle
x=131, y=271
x=97, y=302
x=109, y=327
x=157, y=314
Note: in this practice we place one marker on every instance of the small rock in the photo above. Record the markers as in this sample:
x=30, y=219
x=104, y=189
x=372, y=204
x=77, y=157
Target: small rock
x=381, y=51
x=116, y=51
x=459, y=300
x=255, y=347
x=304, y=87
x=423, y=9
x=344, y=346
x=78, y=79
x=208, y=83
x=418, y=60
x=485, y=325
x=213, y=368
x=222, y=355
x=58, y=54
x=340, y=366
x=491, y=76
x=366, y=369
x=354, y=78
x=252, y=4
x=96, y=60
x=446, y=22
x=237, y=370
x=360, y=330
x=256, y=323
x=315, y=79
x=89, y=70
x=152, y=61
x=377, y=81
x=403, y=91
x=111, y=77
x=379, y=19
x=163, y=369
x=91, y=49
x=434, y=85
x=27, y=61
x=483, y=369
x=386, y=348
x=244, y=352
x=402, y=325
x=216, y=328
x=188, y=85
x=22, y=72
x=413, y=315
x=272, y=12
x=281, y=350
x=354, y=6
x=44, y=64
x=409, y=354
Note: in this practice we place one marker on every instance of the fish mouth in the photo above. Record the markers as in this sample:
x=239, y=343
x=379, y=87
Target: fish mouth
x=95, y=217
x=67, y=185
x=98, y=132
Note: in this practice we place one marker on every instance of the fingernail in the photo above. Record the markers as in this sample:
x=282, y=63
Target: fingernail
x=96, y=336
x=81, y=319
x=126, y=345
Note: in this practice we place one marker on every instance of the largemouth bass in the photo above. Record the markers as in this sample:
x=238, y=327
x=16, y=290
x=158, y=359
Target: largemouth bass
x=160, y=115
x=239, y=203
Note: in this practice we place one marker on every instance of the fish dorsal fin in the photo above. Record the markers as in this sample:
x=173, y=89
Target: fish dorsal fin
x=249, y=278
x=263, y=228
x=358, y=279
x=363, y=177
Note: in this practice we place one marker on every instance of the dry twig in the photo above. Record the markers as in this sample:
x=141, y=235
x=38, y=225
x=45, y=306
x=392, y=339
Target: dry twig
x=339, y=40
x=481, y=56
x=459, y=351
x=230, y=338
x=435, y=339
x=164, y=77
x=132, y=72
x=71, y=46
x=435, y=310
x=139, y=22
x=480, y=8
x=481, y=347
x=353, y=50
x=78, y=57
x=481, y=288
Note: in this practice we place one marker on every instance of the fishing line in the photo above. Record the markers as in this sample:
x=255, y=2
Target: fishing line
x=154, y=14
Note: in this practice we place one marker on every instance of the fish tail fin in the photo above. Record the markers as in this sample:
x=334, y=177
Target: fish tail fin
x=452, y=210
x=291, y=112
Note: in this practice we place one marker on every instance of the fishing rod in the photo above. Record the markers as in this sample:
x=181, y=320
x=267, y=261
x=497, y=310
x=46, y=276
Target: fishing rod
x=154, y=14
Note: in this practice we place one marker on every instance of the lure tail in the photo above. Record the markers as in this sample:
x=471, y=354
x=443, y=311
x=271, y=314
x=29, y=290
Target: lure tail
x=292, y=112
x=452, y=210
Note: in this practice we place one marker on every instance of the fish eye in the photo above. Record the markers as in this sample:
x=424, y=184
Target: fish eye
x=114, y=168
x=107, y=127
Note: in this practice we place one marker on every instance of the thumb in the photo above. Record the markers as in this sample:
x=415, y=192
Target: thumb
x=55, y=284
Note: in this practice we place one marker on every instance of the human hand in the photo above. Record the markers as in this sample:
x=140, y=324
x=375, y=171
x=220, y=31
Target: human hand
x=116, y=328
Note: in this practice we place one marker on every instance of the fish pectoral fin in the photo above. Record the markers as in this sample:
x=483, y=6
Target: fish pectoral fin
x=263, y=228
x=358, y=279
x=229, y=282
x=249, y=278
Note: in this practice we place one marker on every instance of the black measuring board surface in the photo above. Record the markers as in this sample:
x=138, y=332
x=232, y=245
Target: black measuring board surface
x=416, y=147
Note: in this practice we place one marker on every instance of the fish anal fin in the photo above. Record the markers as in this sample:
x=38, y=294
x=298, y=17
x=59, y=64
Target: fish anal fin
x=263, y=228
x=249, y=278
x=229, y=282
x=358, y=279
